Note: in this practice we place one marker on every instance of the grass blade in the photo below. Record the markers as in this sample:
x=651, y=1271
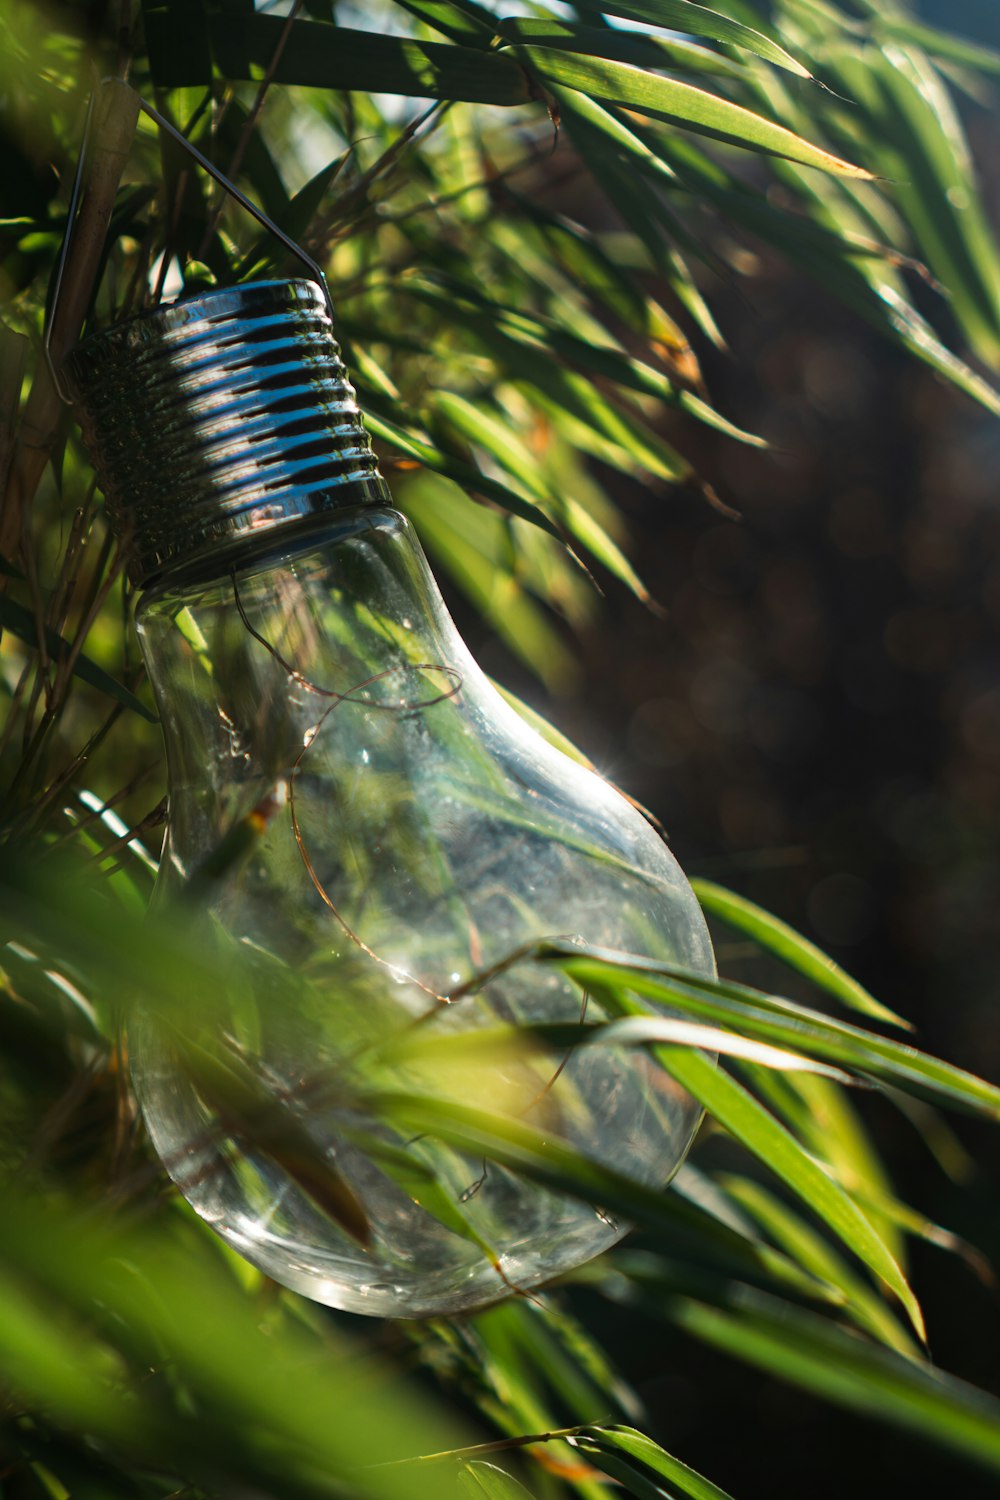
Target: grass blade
x=641, y=1454
x=792, y=948
x=780, y=1021
x=483, y=1481
x=682, y=104
x=745, y=1118
x=21, y=622
x=699, y=20
x=811, y=1352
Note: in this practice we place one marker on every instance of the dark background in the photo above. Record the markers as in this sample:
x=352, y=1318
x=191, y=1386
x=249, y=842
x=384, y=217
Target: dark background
x=817, y=724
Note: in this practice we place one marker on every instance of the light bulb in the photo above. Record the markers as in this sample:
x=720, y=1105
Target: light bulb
x=352, y=801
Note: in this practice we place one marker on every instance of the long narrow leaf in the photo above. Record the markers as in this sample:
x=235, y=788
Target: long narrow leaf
x=21, y=622
x=782, y=1022
x=699, y=20
x=638, y=1450
x=792, y=948
x=553, y=1164
x=682, y=103
x=746, y=1119
x=811, y=1352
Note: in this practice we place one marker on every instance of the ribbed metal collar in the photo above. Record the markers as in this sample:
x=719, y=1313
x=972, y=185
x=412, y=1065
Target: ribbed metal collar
x=219, y=418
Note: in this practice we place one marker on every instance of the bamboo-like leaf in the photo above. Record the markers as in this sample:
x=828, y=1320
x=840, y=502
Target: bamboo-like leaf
x=490, y=432
x=460, y=20
x=735, y=1108
x=591, y=534
x=630, y=1031
x=482, y=1481
x=338, y=57
x=782, y=1022
x=706, y=1253
x=429, y=454
x=681, y=103
x=803, y=1244
x=542, y=726
x=73, y=1328
x=935, y=186
x=484, y=428
x=811, y=1352
x=420, y=1183
x=553, y=1164
x=642, y=1456
x=495, y=325
x=792, y=948
x=830, y=1125
x=591, y=422
x=938, y=43
x=699, y=20
x=247, y=1110
x=438, y=512
x=21, y=622
x=634, y=47
x=852, y=271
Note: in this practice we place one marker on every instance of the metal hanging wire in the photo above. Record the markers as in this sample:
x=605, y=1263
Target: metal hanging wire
x=213, y=171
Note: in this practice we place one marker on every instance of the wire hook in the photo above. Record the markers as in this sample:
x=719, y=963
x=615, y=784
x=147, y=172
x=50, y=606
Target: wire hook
x=213, y=171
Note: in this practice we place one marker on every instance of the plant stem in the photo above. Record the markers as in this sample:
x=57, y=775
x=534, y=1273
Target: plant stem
x=115, y=115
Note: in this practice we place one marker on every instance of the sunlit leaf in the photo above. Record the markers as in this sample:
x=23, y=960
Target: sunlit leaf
x=640, y=1456
x=792, y=948
x=700, y=20
x=681, y=103
x=21, y=622
x=482, y=1481
x=808, y=1351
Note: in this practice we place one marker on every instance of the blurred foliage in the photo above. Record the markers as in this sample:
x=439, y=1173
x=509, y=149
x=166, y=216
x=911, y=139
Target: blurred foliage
x=521, y=219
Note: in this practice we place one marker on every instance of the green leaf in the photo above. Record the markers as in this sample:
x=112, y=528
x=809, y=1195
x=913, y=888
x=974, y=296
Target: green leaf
x=489, y=431
x=589, y=420
x=554, y=1164
x=699, y=20
x=809, y=1351
x=630, y=1031
x=612, y=42
x=483, y=1481
x=541, y=726
x=459, y=20
x=439, y=510
x=792, y=948
x=745, y=1118
x=592, y=535
x=927, y=154
x=425, y=452
x=681, y=103
x=337, y=57
x=780, y=1021
x=74, y=1327
x=642, y=1455
x=497, y=327
x=499, y=440
x=21, y=622
x=854, y=268
x=809, y=1249
x=938, y=43
x=419, y=1182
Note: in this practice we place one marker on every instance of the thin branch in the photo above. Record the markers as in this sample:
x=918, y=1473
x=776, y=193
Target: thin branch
x=346, y=206
x=478, y=1450
x=115, y=115
x=13, y=357
x=249, y=126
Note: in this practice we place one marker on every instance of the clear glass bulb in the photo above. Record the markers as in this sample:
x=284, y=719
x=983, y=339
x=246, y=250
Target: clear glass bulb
x=354, y=802
x=363, y=836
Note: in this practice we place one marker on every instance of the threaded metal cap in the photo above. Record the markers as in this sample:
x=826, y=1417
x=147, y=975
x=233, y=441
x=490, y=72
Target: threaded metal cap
x=219, y=418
